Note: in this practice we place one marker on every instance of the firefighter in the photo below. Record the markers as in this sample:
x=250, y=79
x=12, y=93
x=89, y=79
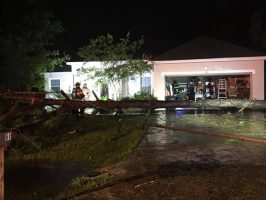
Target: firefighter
x=77, y=94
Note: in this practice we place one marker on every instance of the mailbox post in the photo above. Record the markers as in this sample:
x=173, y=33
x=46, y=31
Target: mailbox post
x=5, y=139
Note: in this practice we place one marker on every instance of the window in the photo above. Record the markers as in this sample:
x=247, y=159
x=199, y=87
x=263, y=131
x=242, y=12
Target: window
x=146, y=84
x=55, y=85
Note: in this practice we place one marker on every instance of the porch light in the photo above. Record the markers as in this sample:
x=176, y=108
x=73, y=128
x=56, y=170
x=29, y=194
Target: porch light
x=206, y=69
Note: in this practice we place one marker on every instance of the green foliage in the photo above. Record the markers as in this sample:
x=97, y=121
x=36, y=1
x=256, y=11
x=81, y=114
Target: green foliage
x=26, y=45
x=105, y=49
x=82, y=184
x=143, y=96
x=121, y=59
x=231, y=140
x=104, y=98
x=100, y=144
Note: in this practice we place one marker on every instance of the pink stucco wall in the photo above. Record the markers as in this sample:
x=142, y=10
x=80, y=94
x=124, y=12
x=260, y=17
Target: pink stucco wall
x=252, y=66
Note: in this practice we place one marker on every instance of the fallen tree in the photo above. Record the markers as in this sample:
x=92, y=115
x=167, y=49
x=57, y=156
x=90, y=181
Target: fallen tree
x=38, y=99
x=29, y=101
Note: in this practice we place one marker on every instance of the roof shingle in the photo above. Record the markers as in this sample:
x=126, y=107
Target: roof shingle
x=204, y=47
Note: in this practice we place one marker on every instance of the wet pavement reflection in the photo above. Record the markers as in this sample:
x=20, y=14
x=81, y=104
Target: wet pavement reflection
x=162, y=146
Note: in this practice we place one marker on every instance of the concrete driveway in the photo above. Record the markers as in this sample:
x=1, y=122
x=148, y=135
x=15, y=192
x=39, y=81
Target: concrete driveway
x=194, y=160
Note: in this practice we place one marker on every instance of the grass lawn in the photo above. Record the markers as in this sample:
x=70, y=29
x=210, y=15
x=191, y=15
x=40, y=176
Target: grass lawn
x=104, y=141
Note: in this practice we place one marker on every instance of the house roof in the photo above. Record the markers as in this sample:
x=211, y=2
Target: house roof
x=64, y=68
x=204, y=47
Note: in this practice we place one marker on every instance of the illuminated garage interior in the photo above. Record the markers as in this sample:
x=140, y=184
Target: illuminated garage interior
x=207, y=87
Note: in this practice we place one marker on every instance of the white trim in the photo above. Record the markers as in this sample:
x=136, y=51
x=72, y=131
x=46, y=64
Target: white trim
x=244, y=71
x=182, y=73
x=58, y=72
x=208, y=60
x=80, y=62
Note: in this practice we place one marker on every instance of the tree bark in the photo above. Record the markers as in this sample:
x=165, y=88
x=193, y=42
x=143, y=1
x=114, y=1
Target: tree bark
x=38, y=100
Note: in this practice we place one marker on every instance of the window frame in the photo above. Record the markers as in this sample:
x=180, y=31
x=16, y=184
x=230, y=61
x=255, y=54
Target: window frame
x=51, y=86
x=145, y=88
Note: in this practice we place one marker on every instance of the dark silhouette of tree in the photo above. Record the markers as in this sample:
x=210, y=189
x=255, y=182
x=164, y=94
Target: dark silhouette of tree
x=26, y=48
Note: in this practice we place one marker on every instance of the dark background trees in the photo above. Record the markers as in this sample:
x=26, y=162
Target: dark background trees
x=26, y=44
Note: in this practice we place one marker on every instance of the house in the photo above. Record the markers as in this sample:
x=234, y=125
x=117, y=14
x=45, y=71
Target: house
x=209, y=68
x=201, y=68
x=66, y=77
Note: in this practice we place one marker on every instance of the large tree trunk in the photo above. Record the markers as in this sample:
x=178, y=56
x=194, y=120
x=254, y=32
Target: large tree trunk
x=38, y=100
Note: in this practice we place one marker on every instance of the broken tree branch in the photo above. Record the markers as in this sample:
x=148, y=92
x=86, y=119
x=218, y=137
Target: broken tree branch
x=147, y=104
x=15, y=111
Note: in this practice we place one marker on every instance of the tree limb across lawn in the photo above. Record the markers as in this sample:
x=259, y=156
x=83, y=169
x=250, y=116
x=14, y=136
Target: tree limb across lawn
x=37, y=98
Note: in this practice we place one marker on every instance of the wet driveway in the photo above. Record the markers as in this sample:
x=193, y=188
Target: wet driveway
x=161, y=147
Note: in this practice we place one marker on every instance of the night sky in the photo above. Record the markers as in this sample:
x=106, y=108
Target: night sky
x=164, y=25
